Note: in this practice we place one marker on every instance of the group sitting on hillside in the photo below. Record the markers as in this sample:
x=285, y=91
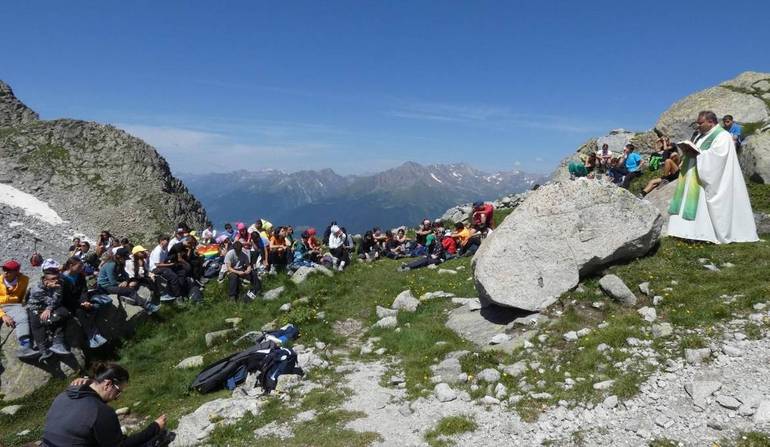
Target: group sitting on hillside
x=628, y=165
x=179, y=265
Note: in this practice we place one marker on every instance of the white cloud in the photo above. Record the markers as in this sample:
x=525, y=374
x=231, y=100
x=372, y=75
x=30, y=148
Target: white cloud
x=489, y=116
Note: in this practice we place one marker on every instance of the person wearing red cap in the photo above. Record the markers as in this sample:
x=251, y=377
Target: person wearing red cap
x=13, y=287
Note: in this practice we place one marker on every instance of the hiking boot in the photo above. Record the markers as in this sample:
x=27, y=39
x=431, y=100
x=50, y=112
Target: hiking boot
x=26, y=352
x=96, y=341
x=166, y=298
x=58, y=347
x=251, y=295
x=152, y=308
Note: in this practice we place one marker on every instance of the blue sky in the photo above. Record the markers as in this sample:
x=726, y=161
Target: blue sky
x=358, y=86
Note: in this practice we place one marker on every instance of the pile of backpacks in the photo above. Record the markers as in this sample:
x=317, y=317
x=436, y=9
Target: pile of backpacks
x=270, y=357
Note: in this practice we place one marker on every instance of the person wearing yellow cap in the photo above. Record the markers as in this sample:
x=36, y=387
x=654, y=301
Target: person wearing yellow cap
x=138, y=272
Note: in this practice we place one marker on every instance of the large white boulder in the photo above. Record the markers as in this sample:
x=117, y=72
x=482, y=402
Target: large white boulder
x=562, y=231
x=739, y=97
x=754, y=157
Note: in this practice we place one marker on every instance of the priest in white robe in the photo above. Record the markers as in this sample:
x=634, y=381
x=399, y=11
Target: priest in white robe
x=711, y=202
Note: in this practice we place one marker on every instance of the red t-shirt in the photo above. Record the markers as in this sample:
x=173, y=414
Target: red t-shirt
x=450, y=246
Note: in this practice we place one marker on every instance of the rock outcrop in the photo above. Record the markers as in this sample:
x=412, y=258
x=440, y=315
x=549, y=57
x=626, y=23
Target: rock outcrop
x=754, y=156
x=463, y=213
x=736, y=97
x=563, y=231
x=89, y=176
x=13, y=111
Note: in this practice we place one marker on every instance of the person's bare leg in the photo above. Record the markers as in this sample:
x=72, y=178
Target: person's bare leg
x=652, y=184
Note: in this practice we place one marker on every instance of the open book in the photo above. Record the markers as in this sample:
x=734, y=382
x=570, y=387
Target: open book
x=687, y=144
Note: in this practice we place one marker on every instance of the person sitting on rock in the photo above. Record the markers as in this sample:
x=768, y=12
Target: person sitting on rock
x=81, y=416
x=238, y=267
x=629, y=167
x=735, y=129
x=75, y=300
x=75, y=245
x=181, y=232
x=47, y=314
x=229, y=232
x=161, y=267
x=242, y=233
x=113, y=279
x=278, y=250
x=483, y=217
x=89, y=258
x=670, y=173
x=604, y=157
x=137, y=270
x=465, y=237
x=337, y=248
x=209, y=234
x=259, y=251
x=105, y=243
x=13, y=289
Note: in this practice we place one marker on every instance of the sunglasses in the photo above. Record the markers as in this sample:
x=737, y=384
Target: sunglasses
x=117, y=388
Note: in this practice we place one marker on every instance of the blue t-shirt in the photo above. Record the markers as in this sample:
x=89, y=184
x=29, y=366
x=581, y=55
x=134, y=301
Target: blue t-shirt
x=736, y=130
x=633, y=161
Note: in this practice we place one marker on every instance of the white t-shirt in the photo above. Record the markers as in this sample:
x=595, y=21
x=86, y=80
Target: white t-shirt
x=173, y=242
x=157, y=256
x=129, y=268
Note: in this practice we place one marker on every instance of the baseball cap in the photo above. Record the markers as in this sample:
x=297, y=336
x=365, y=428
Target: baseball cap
x=137, y=249
x=240, y=226
x=12, y=266
x=49, y=265
x=334, y=229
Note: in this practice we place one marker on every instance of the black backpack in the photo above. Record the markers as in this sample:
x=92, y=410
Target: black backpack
x=214, y=376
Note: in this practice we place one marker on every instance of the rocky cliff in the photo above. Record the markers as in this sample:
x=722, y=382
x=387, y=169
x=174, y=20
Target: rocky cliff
x=65, y=177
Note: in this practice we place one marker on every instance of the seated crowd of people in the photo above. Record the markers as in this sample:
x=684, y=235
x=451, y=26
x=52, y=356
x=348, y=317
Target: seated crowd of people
x=179, y=265
x=622, y=169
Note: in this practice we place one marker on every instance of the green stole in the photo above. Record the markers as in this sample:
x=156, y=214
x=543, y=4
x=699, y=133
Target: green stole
x=689, y=175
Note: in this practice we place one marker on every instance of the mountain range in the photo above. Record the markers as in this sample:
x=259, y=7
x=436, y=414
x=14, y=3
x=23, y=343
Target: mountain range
x=402, y=195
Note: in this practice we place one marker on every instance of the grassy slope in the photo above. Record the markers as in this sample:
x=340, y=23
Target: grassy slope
x=156, y=387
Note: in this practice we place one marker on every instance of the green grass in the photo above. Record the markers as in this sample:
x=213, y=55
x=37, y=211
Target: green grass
x=449, y=426
x=759, y=194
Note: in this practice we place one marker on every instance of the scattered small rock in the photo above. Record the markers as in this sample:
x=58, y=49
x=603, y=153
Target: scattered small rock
x=696, y=356
x=387, y=323
x=648, y=314
x=273, y=294
x=662, y=330
x=195, y=361
x=499, y=338
x=489, y=375
x=405, y=301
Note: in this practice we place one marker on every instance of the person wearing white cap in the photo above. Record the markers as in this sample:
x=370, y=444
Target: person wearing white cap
x=47, y=315
x=337, y=247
